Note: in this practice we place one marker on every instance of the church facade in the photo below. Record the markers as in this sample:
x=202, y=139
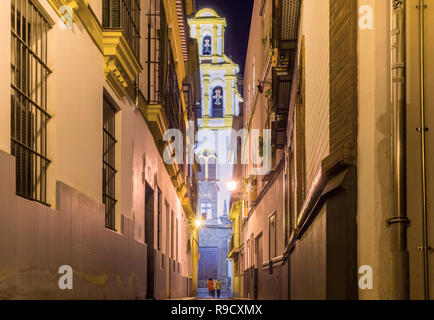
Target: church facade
x=220, y=103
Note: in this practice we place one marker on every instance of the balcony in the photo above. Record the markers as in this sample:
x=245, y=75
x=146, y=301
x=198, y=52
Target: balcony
x=285, y=39
x=234, y=246
x=171, y=94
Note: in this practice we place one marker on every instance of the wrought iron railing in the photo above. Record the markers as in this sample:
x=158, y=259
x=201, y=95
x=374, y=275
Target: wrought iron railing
x=157, y=38
x=285, y=39
x=124, y=15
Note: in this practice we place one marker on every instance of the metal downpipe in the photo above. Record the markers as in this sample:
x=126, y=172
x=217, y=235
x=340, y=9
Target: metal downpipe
x=425, y=247
x=399, y=223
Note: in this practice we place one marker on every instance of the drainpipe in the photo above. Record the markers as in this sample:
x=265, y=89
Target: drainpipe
x=422, y=129
x=399, y=223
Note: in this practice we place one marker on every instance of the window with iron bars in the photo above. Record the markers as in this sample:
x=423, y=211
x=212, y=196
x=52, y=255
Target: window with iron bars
x=109, y=165
x=157, y=39
x=29, y=116
x=124, y=15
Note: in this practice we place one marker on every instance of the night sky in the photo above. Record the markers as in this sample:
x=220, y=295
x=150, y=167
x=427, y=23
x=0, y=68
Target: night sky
x=238, y=14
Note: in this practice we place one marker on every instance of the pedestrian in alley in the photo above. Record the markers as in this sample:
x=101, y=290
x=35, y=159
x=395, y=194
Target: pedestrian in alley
x=218, y=287
x=211, y=287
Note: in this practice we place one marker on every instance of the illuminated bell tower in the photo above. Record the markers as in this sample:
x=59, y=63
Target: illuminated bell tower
x=220, y=103
x=220, y=96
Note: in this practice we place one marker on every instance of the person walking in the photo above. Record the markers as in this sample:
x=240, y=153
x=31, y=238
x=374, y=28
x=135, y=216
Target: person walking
x=218, y=287
x=211, y=287
x=214, y=288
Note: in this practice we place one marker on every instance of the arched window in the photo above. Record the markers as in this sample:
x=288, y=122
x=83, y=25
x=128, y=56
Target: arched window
x=217, y=102
x=207, y=46
x=206, y=209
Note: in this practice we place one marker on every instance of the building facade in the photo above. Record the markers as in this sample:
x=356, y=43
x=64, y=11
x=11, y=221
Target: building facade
x=343, y=213
x=220, y=103
x=88, y=90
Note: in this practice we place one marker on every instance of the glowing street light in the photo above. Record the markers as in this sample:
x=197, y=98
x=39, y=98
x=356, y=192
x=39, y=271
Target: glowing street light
x=198, y=223
x=231, y=185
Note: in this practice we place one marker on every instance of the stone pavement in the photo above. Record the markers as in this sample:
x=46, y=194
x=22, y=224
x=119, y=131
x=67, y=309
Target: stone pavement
x=202, y=293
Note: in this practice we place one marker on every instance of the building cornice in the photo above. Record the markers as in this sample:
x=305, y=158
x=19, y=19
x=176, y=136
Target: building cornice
x=157, y=122
x=208, y=20
x=271, y=178
x=121, y=67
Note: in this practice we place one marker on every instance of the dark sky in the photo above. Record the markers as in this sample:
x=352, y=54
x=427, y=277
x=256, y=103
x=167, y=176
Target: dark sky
x=238, y=14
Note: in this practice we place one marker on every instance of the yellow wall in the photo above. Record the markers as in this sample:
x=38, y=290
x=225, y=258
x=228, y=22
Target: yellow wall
x=5, y=81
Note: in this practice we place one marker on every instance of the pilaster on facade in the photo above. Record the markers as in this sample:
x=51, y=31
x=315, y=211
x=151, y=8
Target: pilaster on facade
x=205, y=79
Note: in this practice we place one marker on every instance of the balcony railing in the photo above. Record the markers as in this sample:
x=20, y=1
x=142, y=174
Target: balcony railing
x=234, y=245
x=285, y=39
x=124, y=15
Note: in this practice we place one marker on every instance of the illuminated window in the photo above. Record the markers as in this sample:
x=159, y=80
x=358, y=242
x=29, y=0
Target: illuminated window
x=217, y=102
x=207, y=46
x=29, y=116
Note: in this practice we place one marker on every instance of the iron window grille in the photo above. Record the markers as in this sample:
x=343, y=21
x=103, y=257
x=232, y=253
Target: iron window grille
x=156, y=48
x=163, y=87
x=29, y=116
x=124, y=15
x=109, y=164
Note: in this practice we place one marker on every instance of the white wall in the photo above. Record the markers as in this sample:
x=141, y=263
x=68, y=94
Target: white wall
x=315, y=28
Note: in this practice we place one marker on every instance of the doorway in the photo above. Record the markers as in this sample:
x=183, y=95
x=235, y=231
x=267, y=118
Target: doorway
x=149, y=239
x=258, y=254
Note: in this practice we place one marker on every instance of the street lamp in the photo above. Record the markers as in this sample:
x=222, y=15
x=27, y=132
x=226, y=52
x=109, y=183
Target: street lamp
x=231, y=185
x=195, y=251
x=198, y=223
